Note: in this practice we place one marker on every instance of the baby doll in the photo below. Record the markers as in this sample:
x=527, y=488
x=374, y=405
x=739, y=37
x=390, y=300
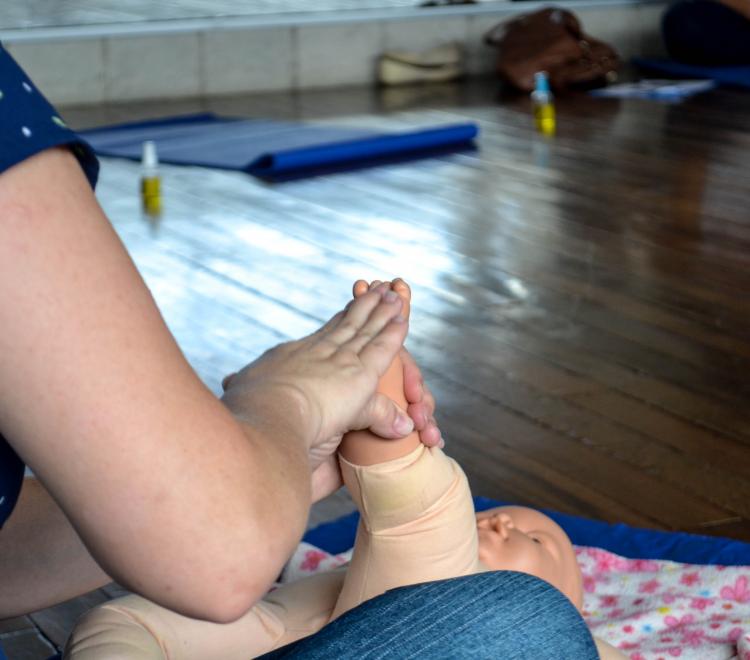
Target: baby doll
x=417, y=525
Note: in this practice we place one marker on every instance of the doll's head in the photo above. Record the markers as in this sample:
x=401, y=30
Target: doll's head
x=516, y=538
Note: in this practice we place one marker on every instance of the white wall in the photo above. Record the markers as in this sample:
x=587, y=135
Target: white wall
x=187, y=59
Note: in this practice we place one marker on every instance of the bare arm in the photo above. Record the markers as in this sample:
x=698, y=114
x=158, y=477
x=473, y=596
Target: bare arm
x=97, y=398
x=42, y=559
x=172, y=496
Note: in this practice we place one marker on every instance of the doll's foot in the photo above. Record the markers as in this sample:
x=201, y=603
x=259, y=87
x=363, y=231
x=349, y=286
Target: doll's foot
x=363, y=447
x=421, y=411
x=392, y=381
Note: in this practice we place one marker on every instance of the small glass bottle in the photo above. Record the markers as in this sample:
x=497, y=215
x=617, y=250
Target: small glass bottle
x=150, y=180
x=544, y=104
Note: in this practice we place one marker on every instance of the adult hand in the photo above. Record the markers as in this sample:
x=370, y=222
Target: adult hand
x=324, y=384
x=326, y=478
x=421, y=403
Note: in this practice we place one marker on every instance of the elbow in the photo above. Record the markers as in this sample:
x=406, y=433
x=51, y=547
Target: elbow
x=227, y=593
x=228, y=608
x=220, y=604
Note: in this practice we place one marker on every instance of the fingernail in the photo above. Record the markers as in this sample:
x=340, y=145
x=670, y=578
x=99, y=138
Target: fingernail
x=390, y=296
x=404, y=425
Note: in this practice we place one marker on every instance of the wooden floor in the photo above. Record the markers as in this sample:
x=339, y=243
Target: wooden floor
x=581, y=305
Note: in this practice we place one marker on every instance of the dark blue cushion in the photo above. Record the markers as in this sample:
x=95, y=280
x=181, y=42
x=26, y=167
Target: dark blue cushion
x=338, y=536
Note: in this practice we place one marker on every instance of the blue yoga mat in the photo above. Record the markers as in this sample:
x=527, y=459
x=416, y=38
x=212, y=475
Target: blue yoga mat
x=272, y=148
x=338, y=536
x=732, y=76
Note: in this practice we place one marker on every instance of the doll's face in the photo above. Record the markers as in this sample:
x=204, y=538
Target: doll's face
x=515, y=538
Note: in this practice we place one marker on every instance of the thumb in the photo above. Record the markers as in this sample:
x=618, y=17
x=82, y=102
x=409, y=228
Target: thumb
x=384, y=418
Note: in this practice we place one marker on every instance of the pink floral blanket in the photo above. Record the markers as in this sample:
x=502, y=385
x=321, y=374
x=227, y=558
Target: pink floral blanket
x=649, y=609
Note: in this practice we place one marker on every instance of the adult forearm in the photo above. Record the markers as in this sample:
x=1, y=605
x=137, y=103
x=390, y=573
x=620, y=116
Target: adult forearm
x=157, y=478
x=42, y=559
x=242, y=511
x=172, y=496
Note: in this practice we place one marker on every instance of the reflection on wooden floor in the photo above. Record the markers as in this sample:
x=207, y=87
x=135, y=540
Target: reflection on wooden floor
x=581, y=305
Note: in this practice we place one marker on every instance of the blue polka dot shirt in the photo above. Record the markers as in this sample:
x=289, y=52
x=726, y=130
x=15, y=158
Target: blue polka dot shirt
x=29, y=124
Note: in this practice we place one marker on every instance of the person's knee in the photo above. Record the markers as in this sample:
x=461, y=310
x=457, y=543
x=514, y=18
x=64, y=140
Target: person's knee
x=531, y=617
x=500, y=614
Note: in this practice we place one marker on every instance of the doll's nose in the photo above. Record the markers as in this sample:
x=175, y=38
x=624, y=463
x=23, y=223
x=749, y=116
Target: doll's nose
x=503, y=525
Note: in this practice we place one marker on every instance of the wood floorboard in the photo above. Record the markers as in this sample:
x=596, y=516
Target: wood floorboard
x=337, y=237
x=482, y=414
x=595, y=432
x=527, y=234
x=578, y=263
x=581, y=305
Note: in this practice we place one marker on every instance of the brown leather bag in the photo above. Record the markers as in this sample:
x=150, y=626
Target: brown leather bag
x=551, y=40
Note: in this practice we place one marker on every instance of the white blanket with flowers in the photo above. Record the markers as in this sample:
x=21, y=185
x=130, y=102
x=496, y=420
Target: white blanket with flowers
x=649, y=609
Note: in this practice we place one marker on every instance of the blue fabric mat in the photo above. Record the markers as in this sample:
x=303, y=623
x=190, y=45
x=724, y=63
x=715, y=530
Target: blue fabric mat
x=732, y=76
x=338, y=536
x=271, y=149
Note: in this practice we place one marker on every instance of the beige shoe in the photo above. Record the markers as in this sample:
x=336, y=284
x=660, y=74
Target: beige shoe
x=436, y=65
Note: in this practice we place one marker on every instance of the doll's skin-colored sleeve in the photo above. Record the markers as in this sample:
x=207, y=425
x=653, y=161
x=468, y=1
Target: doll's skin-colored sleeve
x=417, y=524
x=133, y=628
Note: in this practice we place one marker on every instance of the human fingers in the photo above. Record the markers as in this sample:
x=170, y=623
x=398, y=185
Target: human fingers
x=385, y=313
x=342, y=325
x=423, y=412
x=326, y=479
x=377, y=354
x=385, y=419
x=413, y=382
x=425, y=424
x=355, y=315
x=329, y=325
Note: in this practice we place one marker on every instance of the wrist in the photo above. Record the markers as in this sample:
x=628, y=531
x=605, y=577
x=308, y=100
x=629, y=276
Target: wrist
x=280, y=412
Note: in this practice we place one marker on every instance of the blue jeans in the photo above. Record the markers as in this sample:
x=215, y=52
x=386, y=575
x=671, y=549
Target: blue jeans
x=502, y=615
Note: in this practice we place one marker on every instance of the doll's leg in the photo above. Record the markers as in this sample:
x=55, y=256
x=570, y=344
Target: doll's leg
x=133, y=628
x=501, y=614
x=363, y=447
x=417, y=518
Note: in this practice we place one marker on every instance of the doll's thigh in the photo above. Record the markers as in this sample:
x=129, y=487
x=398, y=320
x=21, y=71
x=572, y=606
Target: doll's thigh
x=501, y=614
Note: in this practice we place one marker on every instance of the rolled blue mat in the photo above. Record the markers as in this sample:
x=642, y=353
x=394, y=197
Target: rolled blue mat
x=634, y=542
x=732, y=76
x=269, y=148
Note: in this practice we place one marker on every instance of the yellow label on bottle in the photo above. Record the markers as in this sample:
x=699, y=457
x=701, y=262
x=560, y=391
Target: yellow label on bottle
x=544, y=118
x=151, y=195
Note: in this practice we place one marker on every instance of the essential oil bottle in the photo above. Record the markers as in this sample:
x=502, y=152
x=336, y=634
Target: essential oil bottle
x=150, y=180
x=544, y=105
